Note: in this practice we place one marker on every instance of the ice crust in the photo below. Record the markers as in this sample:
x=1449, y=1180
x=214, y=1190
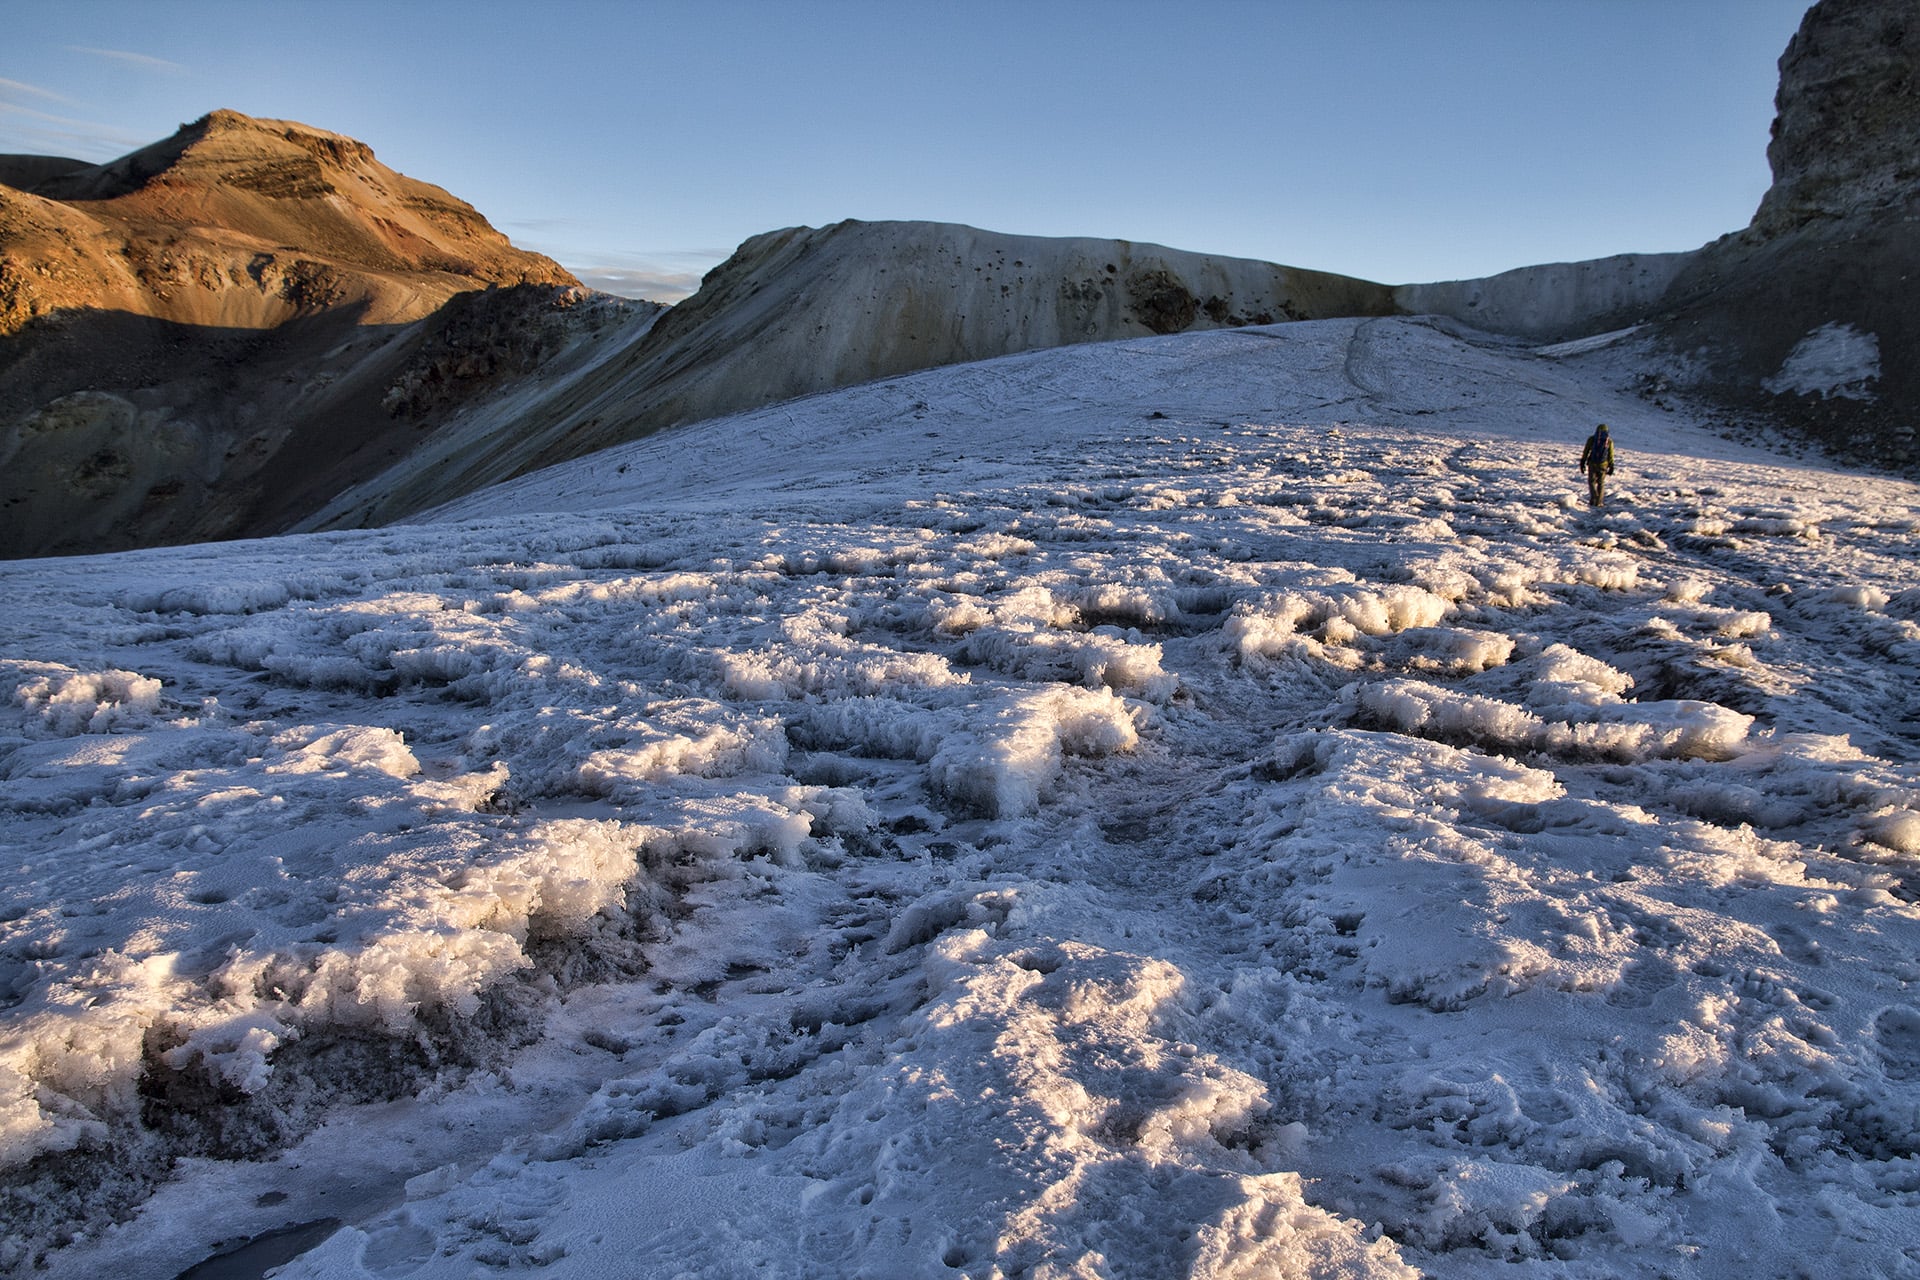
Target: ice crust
x=1214, y=806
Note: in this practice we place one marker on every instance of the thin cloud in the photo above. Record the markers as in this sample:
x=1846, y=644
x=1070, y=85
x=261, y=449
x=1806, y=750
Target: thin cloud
x=30, y=90
x=24, y=130
x=653, y=286
x=546, y=226
x=15, y=109
x=134, y=59
x=542, y=235
x=709, y=257
x=662, y=275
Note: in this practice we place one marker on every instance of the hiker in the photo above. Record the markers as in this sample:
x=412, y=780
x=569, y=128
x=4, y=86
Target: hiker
x=1597, y=461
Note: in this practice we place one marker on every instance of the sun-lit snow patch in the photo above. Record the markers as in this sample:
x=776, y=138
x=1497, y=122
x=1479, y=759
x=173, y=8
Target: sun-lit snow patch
x=1282, y=622
x=69, y=701
x=1899, y=830
x=1105, y=657
x=1033, y=633
x=1003, y=766
x=1452, y=650
x=833, y=669
x=1868, y=598
x=419, y=926
x=358, y=747
x=1608, y=572
x=715, y=751
x=1586, y=724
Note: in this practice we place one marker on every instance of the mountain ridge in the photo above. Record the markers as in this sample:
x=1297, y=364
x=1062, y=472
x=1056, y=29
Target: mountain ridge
x=159, y=414
x=239, y=221
x=805, y=310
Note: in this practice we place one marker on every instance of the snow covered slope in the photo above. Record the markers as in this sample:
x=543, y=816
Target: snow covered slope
x=1557, y=300
x=806, y=310
x=1213, y=805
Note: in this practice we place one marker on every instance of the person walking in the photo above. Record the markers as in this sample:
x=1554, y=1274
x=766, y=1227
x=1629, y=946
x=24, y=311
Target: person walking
x=1596, y=459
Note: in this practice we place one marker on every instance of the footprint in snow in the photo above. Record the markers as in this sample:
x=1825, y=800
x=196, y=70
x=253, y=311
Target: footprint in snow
x=1897, y=1033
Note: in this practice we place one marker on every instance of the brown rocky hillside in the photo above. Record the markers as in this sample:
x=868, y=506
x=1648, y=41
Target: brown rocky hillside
x=202, y=336
x=240, y=222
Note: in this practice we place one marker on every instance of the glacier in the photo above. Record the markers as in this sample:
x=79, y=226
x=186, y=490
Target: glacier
x=1211, y=805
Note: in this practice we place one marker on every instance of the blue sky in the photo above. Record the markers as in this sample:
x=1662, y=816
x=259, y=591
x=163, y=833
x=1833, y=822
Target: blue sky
x=1399, y=140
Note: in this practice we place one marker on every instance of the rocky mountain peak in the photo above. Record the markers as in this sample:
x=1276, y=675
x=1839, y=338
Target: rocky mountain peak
x=194, y=334
x=320, y=142
x=221, y=148
x=1846, y=139
x=242, y=222
x=222, y=131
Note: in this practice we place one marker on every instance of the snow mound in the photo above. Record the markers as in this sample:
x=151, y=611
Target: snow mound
x=1003, y=768
x=1602, y=727
x=68, y=701
x=1323, y=623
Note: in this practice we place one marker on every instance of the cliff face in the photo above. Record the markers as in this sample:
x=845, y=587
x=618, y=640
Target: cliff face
x=1846, y=139
x=1809, y=315
x=202, y=335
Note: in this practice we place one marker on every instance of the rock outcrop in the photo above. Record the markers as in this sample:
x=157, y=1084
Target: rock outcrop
x=201, y=336
x=1846, y=139
x=1809, y=315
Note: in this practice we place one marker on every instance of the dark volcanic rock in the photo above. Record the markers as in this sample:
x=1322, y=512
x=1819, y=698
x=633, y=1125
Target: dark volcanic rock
x=1846, y=140
x=480, y=340
x=1810, y=315
x=1162, y=303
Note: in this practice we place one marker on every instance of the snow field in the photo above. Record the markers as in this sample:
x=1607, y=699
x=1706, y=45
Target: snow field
x=1045, y=839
